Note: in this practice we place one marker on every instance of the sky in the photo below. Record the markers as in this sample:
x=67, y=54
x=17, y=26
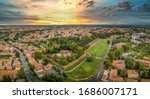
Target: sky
x=47, y=12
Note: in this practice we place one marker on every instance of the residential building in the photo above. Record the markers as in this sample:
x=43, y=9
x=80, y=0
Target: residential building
x=119, y=64
x=133, y=74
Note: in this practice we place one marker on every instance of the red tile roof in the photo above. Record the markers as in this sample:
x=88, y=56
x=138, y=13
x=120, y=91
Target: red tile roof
x=113, y=73
x=8, y=72
x=131, y=80
x=118, y=64
x=145, y=80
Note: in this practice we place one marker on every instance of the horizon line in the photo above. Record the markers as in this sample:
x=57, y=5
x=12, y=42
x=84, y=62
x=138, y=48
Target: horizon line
x=74, y=24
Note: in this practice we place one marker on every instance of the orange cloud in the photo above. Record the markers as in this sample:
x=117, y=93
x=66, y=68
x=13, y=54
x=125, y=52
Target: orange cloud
x=54, y=11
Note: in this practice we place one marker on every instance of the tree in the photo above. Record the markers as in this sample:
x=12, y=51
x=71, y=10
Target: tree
x=111, y=55
x=79, y=49
x=119, y=51
x=17, y=54
x=55, y=57
x=21, y=73
x=38, y=55
x=108, y=41
x=137, y=65
x=57, y=75
x=63, y=61
x=130, y=64
x=107, y=63
x=71, y=58
x=45, y=61
x=31, y=67
x=7, y=78
x=122, y=73
x=145, y=74
x=149, y=52
x=89, y=59
x=52, y=78
x=126, y=47
x=142, y=67
x=43, y=50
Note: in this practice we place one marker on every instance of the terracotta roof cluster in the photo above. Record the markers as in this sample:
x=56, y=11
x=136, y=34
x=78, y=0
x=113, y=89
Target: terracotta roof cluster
x=119, y=64
x=119, y=44
x=133, y=74
x=41, y=70
x=9, y=66
x=29, y=51
x=113, y=76
x=12, y=73
x=145, y=62
x=66, y=53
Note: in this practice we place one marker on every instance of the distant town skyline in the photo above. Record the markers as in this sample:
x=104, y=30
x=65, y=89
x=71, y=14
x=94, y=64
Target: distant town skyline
x=47, y=12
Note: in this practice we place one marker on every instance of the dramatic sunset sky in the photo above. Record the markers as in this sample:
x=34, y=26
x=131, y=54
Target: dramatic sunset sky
x=75, y=12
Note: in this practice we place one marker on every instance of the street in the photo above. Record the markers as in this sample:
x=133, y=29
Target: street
x=25, y=65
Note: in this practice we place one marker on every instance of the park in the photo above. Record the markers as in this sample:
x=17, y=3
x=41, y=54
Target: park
x=85, y=69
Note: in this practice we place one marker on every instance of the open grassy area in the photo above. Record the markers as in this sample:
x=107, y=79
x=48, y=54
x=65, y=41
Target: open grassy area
x=76, y=64
x=86, y=69
x=98, y=50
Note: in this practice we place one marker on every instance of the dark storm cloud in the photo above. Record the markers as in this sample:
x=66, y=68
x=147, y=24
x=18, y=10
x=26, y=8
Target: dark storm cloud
x=17, y=18
x=10, y=12
x=87, y=3
x=144, y=8
x=124, y=12
x=7, y=6
x=124, y=6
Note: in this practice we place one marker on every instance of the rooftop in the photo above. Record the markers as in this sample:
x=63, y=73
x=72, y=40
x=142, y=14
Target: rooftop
x=131, y=80
x=119, y=63
x=145, y=80
x=113, y=73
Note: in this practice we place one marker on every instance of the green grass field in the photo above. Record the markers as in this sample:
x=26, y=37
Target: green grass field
x=76, y=64
x=86, y=69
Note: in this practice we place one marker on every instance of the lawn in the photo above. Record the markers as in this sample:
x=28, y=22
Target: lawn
x=76, y=64
x=98, y=49
x=86, y=69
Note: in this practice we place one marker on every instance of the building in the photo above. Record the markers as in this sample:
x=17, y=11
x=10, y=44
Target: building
x=12, y=73
x=119, y=64
x=0, y=62
x=20, y=80
x=66, y=53
x=41, y=74
x=146, y=58
x=17, y=65
x=145, y=80
x=113, y=76
x=113, y=73
x=105, y=75
x=6, y=63
x=117, y=45
x=131, y=80
x=9, y=67
x=63, y=53
x=2, y=68
x=117, y=79
x=144, y=62
x=48, y=67
x=39, y=69
x=133, y=74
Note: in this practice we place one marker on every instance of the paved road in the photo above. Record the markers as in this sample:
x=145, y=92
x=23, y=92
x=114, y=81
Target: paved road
x=25, y=65
x=97, y=77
